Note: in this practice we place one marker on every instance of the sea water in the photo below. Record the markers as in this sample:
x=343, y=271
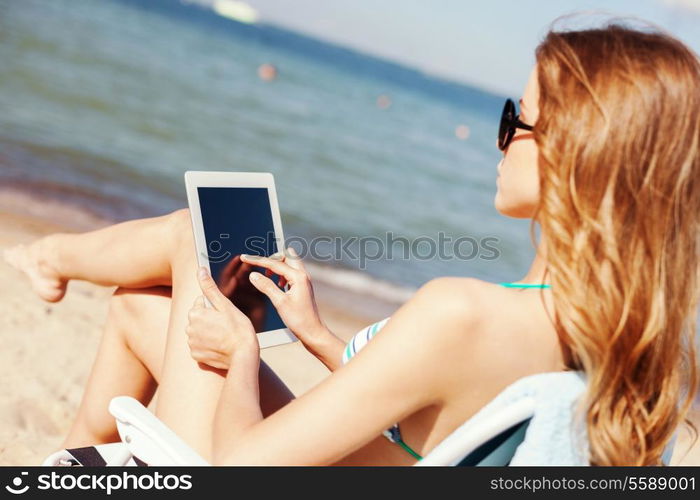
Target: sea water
x=107, y=104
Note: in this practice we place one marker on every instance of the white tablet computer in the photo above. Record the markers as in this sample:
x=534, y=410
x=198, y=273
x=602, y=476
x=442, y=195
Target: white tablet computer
x=234, y=213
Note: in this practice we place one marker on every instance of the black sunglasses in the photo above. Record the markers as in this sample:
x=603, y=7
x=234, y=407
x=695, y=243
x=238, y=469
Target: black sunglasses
x=509, y=122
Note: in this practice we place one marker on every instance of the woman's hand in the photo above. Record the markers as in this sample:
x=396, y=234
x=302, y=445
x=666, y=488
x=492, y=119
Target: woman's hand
x=219, y=332
x=234, y=284
x=297, y=306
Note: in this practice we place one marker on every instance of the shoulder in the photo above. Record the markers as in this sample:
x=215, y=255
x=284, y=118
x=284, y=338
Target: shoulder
x=448, y=310
x=490, y=321
x=476, y=314
x=466, y=300
x=463, y=331
x=460, y=331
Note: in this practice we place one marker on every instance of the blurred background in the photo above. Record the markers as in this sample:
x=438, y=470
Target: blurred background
x=374, y=117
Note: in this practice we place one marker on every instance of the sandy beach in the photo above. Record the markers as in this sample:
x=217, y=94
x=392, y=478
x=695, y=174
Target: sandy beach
x=49, y=348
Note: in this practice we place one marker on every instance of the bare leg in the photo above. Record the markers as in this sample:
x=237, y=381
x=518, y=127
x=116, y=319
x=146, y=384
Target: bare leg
x=130, y=361
x=188, y=392
x=133, y=254
x=139, y=254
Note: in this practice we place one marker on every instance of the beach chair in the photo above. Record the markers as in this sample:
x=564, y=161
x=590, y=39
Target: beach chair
x=534, y=421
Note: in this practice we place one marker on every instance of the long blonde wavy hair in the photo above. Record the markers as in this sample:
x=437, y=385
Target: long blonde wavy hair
x=619, y=141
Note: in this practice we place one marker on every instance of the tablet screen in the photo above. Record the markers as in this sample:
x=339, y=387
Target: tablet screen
x=238, y=220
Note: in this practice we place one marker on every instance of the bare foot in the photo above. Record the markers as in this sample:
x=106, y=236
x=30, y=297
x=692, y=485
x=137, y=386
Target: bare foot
x=45, y=280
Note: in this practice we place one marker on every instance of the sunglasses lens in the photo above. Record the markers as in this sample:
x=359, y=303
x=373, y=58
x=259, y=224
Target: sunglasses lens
x=506, y=129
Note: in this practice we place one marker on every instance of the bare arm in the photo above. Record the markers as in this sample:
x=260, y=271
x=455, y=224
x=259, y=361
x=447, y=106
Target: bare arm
x=241, y=404
x=447, y=341
x=399, y=372
x=328, y=349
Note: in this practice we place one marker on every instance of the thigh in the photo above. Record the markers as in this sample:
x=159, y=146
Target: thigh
x=127, y=362
x=188, y=393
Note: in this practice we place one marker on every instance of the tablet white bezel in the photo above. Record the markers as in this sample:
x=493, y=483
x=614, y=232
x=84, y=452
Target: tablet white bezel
x=194, y=180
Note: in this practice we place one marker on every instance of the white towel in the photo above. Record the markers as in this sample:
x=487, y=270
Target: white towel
x=553, y=436
x=557, y=433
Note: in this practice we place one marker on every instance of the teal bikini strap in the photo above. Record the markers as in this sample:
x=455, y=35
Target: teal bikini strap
x=409, y=450
x=525, y=285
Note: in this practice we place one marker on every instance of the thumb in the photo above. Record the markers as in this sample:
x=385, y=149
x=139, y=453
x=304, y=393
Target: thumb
x=209, y=288
x=268, y=287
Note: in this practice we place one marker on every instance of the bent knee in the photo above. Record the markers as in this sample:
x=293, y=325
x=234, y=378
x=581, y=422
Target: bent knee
x=179, y=229
x=128, y=307
x=180, y=221
x=121, y=306
x=140, y=318
x=96, y=426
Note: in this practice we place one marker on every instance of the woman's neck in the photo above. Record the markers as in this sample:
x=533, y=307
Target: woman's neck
x=538, y=268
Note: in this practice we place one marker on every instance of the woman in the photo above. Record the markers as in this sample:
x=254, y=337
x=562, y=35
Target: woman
x=604, y=156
